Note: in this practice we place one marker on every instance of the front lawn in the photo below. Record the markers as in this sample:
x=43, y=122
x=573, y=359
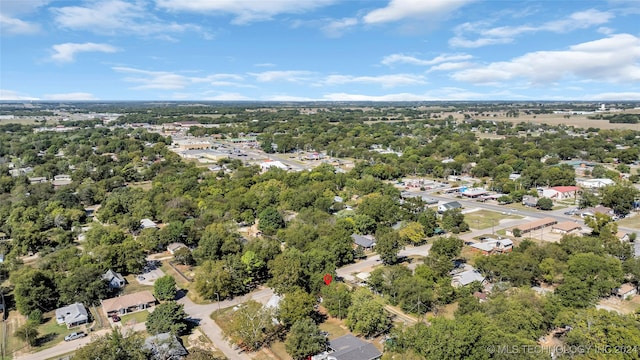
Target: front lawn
x=483, y=219
x=134, y=318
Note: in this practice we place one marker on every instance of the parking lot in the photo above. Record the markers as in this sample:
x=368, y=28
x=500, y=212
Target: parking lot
x=150, y=273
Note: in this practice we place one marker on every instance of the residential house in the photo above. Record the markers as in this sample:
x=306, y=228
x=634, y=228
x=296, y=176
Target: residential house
x=466, y=277
x=625, y=290
x=595, y=183
x=128, y=303
x=72, y=315
x=265, y=166
x=61, y=180
x=349, y=347
x=530, y=201
x=173, y=247
x=37, y=180
x=449, y=206
x=115, y=280
x=493, y=246
x=566, y=227
x=600, y=209
x=622, y=236
x=148, y=224
x=561, y=192
x=164, y=346
x=532, y=226
x=366, y=242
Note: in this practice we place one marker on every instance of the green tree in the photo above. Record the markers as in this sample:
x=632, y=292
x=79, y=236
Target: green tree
x=84, y=284
x=270, y=221
x=295, y=306
x=113, y=346
x=184, y=256
x=429, y=221
x=619, y=197
x=251, y=326
x=449, y=247
x=544, y=204
x=167, y=317
x=34, y=289
x=28, y=333
x=304, y=339
x=388, y=245
x=453, y=220
x=287, y=271
x=367, y=315
x=412, y=233
x=213, y=278
x=165, y=288
x=336, y=298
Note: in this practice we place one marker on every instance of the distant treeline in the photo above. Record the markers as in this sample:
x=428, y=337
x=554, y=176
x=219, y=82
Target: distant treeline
x=618, y=118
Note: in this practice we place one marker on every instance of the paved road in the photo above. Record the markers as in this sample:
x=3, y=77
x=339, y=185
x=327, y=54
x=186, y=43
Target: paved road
x=536, y=214
x=195, y=311
x=69, y=346
x=211, y=329
x=347, y=271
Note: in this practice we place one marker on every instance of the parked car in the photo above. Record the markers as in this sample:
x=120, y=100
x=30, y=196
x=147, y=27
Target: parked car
x=115, y=318
x=74, y=336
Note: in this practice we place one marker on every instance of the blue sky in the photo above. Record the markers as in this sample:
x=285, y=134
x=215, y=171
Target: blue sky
x=283, y=50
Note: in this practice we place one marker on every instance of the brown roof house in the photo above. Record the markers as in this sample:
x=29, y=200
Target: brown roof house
x=566, y=227
x=626, y=290
x=128, y=303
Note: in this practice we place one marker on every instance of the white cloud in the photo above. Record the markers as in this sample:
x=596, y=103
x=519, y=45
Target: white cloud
x=335, y=28
x=442, y=94
x=166, y=80
x=449, y=66
x=117, y=17
x=75, y=96
x=13, y=26
x=282, y=75
x=404, y=9
x=287, y=98
x=406, y=59
x=506, y=34
x=264, y=65
x=611, y=96
x=66, y=52
x=599, y=60
x=15, y=95
x=245, y=11
x=10, y=24
x=227, y=97
x=392, y=80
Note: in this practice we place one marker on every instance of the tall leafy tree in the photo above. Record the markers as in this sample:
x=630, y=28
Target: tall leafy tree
x=304, y=339
x=167, y=317
x=164, y=288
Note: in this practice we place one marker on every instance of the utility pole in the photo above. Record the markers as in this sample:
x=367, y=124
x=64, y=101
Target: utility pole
x=218, y=296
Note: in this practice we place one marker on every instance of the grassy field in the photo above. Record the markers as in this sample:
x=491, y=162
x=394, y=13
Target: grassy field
x=334, y=327
x=134, y=286
x=134, y=318
x=630, y=221
x=483, y=219
x=144, y=185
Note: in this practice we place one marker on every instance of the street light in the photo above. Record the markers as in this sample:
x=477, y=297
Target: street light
x=218, y=296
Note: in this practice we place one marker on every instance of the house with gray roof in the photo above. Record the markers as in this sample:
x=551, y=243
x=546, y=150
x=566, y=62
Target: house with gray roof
x=114, y=279
x=164, y=346
x=466, y=277
x=363, y=241
x=72, y=315
x=349, y=347
x=449, y=206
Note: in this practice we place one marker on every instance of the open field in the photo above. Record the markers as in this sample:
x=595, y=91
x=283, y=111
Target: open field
x=621, y=306
x=578, y=121
x=483, y=219
x=632, y=221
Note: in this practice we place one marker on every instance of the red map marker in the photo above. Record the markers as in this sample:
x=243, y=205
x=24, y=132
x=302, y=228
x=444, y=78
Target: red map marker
x=327, y=279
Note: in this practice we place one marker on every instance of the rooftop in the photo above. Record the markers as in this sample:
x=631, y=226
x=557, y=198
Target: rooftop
x=349, y=347
x=126, y=301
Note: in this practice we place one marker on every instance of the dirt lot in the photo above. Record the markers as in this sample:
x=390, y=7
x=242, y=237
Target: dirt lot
x=621, y=306
x=579, y=121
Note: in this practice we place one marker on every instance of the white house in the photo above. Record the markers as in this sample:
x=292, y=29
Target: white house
x=148, y=224
x=115, y=280
x=72, y=315
x=595, y=183
x=449, y=206
x=265, y=166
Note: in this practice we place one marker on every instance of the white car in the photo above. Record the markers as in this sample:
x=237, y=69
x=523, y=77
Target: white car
x=75, y=335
